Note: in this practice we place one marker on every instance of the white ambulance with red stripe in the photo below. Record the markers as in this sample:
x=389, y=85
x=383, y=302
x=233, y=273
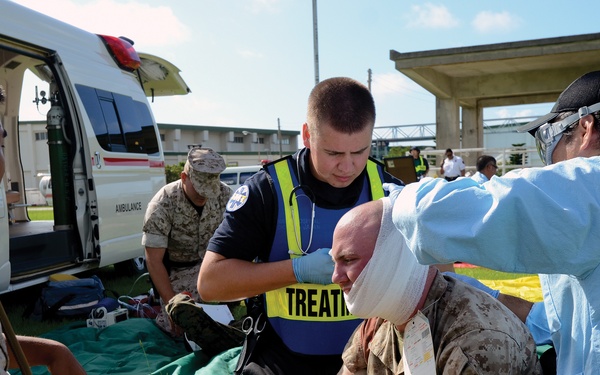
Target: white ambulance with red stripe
x=104, y=150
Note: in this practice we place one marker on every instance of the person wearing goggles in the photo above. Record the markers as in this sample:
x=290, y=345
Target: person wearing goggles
x=549, y=134
x=543, y=220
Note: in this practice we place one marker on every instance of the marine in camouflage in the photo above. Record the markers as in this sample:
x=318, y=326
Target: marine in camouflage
x=472, y=334
x=171, y=222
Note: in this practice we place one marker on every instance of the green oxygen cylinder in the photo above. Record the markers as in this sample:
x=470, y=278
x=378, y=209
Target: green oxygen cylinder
x=59, y=165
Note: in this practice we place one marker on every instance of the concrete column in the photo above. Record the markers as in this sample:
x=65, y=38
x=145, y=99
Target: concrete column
x=447, y=129
x=472, y=131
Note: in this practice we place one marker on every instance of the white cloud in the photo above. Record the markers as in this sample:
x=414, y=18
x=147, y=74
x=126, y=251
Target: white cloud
x=487, y=22
x=248, y=54
x=503, y=113
x=507, y=113
x=431, y=16
x=524, y=113
x=144, y=24
x=259, y=6
x=387, y=84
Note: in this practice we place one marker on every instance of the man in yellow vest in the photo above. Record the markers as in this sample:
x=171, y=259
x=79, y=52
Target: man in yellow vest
x=273, y=244
x=421, y=164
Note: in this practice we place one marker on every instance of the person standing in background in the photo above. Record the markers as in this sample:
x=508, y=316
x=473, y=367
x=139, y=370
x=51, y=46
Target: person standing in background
x=421, y=164
x=452, y=167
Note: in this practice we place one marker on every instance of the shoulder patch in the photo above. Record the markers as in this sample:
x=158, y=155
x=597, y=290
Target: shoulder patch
x=238, y=199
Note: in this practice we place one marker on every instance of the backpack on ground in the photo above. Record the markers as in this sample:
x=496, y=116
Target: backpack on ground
x=67, y=298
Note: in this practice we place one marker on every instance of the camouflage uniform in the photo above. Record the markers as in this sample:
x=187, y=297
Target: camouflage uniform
x=171, y=222
x=472, y=334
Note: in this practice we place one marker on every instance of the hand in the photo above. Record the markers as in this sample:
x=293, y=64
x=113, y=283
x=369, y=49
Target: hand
x=393, y=189
x=314, y=268
x=474, y=282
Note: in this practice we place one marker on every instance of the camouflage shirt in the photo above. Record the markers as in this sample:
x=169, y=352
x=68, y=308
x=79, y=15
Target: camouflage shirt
x=472, y=333
x=172, y=222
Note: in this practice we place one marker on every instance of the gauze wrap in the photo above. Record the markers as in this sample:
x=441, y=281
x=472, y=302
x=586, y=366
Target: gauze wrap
x=391, y=284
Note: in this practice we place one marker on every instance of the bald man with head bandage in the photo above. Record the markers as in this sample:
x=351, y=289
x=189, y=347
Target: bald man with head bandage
x=415, y=315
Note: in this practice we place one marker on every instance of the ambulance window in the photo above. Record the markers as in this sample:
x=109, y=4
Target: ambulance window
x=148, y=130
x=130, y=121
x=115, y=135
x=92, y=107
x=138, y=126
x=120, y=123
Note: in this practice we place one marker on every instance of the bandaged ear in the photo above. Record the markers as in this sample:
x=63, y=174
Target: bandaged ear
x=392, y=283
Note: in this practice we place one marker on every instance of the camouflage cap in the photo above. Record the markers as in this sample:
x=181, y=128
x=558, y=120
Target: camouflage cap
x=203, y=167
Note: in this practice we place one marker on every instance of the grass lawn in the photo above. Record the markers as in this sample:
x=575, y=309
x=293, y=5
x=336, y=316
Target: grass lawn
x=40, y=213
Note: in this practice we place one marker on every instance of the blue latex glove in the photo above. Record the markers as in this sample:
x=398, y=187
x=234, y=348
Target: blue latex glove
x=474, y=282
x=393, y=189
x=315, y=268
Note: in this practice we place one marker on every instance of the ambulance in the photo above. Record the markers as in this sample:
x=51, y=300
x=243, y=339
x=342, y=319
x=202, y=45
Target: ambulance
x=104, y=151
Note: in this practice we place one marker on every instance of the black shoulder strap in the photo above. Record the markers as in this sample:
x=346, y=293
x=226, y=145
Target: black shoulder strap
x=50, y=311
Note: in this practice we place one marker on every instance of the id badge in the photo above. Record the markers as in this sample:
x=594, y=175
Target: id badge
x=417, y=352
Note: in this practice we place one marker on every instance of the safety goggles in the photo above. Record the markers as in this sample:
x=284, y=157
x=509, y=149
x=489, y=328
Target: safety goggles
x=549, y=134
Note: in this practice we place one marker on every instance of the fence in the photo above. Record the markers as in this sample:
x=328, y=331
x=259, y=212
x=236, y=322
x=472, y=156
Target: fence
x=506, y=158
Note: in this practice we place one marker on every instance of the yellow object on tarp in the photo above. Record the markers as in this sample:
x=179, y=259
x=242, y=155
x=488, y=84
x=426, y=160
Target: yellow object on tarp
x=61, y=277
x=527, y=287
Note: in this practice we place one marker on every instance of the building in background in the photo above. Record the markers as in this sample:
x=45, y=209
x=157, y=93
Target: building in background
x=238, y=146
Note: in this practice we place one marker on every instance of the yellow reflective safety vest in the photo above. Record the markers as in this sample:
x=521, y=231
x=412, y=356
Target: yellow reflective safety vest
x=310, y=318
x=420, y=167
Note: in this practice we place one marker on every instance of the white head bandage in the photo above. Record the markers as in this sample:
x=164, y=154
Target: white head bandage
x=392, y=283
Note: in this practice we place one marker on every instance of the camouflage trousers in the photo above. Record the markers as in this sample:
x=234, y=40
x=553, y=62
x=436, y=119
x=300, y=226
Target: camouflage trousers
x=212, y=336
x=182, y=280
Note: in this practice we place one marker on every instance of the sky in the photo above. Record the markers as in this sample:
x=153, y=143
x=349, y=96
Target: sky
x=251, y=63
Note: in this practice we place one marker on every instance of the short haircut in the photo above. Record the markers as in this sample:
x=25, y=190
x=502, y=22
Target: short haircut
x=483, y=161
x=449, y=150
x=342, y=103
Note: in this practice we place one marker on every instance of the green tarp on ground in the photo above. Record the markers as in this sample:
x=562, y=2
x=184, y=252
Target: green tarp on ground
x=133, y=346
x=195, y=364
x=136, y=347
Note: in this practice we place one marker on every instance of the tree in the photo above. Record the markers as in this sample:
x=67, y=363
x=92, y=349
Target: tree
x=517, y=159
x=173, y=172
x=397, y=151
